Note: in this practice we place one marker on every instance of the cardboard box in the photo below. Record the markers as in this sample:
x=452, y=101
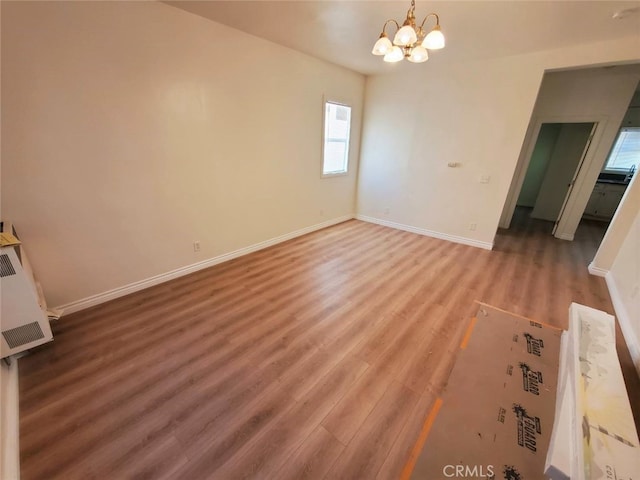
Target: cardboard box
x=498, y=407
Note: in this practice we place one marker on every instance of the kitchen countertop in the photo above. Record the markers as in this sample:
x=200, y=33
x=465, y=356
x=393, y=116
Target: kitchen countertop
x=612, y=182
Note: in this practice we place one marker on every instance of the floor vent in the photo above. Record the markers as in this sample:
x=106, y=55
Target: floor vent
x=22, y=335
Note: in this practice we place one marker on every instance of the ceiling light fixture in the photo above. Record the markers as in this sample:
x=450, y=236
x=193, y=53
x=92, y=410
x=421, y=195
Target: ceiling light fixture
x=410, y=41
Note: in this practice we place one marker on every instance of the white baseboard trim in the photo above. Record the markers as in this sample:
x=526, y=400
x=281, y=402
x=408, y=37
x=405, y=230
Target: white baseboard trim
x=428, y=233
x=566, y=236
x=597, y=271
x=179, y=272
x=624, y=319
x=10, y=425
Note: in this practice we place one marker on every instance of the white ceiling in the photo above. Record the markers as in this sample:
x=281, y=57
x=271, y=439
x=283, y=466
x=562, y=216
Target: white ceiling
x=343, y=32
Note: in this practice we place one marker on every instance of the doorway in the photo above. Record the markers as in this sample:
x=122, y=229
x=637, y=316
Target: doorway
x=556, y=159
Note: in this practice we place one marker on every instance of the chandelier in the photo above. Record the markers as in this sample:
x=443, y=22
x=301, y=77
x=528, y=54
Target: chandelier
x=410, y=41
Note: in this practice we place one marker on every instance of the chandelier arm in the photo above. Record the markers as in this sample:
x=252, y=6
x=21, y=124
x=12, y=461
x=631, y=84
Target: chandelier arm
x=430, y=15
x=387, y=22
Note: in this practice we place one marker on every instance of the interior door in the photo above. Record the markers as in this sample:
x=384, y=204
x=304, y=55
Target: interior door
x=575, y=175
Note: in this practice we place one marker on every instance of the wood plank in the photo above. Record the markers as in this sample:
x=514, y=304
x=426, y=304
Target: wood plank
x=314, y=457
x=346, y=418
x=404, y=445
x=367, y=451
x=266, y=453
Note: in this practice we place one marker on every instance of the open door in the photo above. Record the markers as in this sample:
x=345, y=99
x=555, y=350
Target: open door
x=575, y=175
x=535, y=180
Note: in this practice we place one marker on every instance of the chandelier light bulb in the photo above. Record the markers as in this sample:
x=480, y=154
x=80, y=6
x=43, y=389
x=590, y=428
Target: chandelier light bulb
x=405, y=36
x=434, y=40
x=418, y=55
x=382, y=46
x=395, y=55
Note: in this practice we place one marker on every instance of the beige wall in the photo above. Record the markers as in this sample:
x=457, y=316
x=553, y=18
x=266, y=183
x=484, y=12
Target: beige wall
x=130, y=130
x=624, y=277
x=619, y=227
x=474, y=113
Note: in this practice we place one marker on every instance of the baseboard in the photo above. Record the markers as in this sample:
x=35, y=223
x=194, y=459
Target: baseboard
x=566, y=236
x=179, y=272
x=9, y=423
x=428, y=233
x=597, y=271
x=624, y=319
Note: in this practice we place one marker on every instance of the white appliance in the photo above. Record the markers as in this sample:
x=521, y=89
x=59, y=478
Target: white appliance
x=23, y=320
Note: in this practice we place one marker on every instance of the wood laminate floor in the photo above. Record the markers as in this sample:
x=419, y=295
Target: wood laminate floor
x=316, y=358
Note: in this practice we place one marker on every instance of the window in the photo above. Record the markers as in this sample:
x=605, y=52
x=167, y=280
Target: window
x=625, y=155
x=335, y=150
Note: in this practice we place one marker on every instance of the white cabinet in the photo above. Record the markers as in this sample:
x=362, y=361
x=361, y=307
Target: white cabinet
x=604, y=200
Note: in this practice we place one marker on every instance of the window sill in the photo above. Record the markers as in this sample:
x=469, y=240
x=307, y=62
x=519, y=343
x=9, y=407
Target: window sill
x=337, y=174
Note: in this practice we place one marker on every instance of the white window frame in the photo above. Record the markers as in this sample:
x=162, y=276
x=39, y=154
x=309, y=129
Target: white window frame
x=619, y=171
x=344, y=172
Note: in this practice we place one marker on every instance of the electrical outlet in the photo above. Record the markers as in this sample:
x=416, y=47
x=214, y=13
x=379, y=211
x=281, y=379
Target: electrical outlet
x=635, y=291
x=196, y=246
x=386, y=211
x=472, y=226
x=485, y=178
x=322, y=213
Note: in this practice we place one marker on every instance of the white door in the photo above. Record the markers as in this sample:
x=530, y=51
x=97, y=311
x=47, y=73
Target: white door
x=570, y=185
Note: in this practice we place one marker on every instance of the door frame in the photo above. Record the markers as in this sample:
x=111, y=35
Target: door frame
x=528, y=145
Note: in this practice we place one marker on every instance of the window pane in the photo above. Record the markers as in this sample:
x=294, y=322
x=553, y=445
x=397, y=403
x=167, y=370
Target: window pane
x=337, y=126
x=626, y=151
x=335, y=156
